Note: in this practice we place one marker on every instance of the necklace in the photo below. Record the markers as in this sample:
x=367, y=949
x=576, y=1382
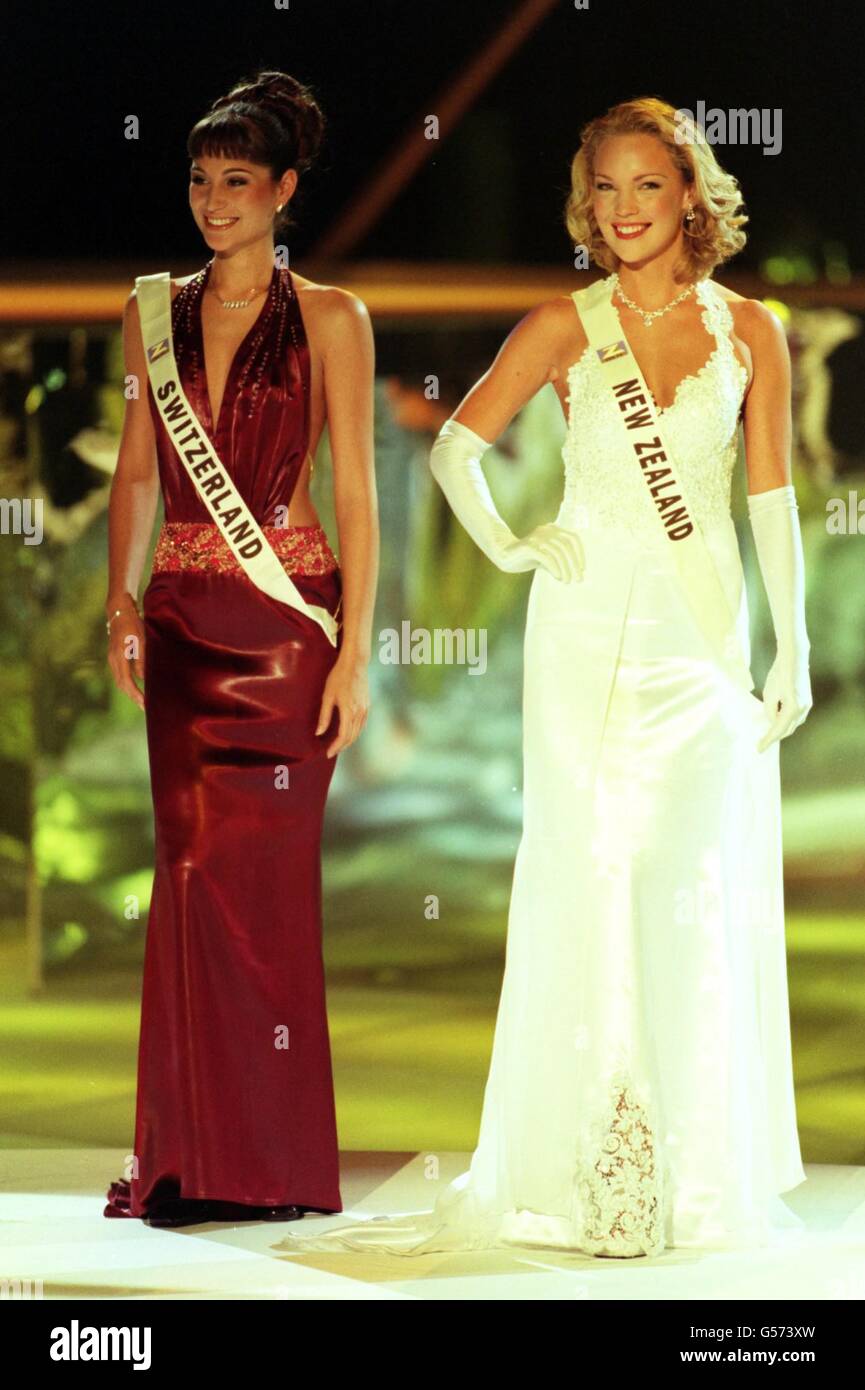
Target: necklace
x=236, y=303
x=232, y=303
x=648, y=315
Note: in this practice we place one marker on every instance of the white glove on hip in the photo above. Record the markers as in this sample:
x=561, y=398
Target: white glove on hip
x=455, y=462
x=774, y=518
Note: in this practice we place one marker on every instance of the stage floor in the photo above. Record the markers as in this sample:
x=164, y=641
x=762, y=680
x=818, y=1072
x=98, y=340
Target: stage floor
x=52, y=1229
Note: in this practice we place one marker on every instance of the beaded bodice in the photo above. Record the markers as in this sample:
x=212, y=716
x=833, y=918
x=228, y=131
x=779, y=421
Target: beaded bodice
x=262, y=433
x=603, y=487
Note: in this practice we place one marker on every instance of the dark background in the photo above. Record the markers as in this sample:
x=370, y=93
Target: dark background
x=76, y=188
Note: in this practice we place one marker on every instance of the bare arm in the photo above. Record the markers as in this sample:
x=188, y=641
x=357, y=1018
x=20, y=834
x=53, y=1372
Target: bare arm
x=767, y=421
x=131, y=511
x=348, y=359
x=525, y=362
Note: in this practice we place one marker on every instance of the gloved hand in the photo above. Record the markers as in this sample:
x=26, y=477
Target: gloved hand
x=456, y=467
x=774, y=518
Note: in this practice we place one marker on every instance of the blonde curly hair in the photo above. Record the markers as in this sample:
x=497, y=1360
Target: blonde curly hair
x=714, y=234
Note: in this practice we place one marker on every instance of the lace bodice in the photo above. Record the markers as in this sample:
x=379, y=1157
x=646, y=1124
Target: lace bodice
x=603, y=487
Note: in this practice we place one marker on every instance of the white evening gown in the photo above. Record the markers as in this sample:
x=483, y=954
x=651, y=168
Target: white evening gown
x=640, y=1094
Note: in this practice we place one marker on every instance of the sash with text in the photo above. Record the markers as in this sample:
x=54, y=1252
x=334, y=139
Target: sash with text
x=244, y=536
x=635, y=410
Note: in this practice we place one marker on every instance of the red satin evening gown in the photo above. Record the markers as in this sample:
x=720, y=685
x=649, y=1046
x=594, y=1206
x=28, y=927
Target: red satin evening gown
x=235, y=1092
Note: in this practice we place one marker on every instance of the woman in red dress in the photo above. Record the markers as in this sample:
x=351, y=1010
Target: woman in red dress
x=247, y=702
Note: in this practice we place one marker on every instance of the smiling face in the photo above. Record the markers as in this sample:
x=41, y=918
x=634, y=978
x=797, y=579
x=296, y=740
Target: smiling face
x=640, y=197
x=233, y=200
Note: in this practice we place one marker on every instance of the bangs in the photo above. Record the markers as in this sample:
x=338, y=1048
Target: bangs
x=227, y=136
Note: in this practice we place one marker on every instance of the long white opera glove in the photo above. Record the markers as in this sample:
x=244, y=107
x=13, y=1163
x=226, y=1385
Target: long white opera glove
x=774, y=518
x=455, y=462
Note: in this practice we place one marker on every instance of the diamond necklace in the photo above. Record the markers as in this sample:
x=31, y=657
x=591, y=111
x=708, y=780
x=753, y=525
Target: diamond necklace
x=236, y=303
x=231, y=303
x=648, y=315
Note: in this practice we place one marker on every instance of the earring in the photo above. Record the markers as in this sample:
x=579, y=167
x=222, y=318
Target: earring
x=689, y=215
x=280, y=206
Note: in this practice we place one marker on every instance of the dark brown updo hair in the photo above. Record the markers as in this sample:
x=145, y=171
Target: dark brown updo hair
x=269, y=119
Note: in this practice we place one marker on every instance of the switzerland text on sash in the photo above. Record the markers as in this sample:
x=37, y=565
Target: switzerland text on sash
x=201, y=461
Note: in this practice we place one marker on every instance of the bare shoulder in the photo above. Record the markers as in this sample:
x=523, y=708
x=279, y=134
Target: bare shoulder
x=558, y=314
x=553, y=326
x=329, y=309
x=552, y=315
x=551, y=337
x=753, y=320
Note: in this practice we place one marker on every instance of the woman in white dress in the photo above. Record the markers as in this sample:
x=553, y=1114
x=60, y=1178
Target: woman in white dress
x=640, y=1094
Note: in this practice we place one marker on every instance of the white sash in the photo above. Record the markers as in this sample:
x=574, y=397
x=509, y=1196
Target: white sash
x=244, y=536
x=700, y=580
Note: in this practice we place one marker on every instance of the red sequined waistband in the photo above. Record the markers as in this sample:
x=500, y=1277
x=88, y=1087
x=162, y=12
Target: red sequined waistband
x=200, y=545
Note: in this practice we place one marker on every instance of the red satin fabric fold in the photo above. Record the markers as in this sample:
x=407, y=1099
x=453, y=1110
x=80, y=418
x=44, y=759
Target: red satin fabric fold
x=235, y=1092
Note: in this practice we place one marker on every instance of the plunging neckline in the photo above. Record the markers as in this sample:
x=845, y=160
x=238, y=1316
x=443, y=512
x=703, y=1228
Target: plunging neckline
x=691, y=376
x=238, y=352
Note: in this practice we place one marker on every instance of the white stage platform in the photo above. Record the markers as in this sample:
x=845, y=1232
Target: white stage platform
x=52, y=1229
